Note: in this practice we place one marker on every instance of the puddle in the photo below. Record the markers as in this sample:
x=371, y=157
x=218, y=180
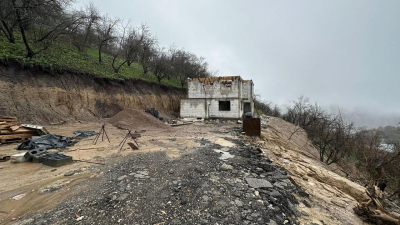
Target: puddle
x=224, y=155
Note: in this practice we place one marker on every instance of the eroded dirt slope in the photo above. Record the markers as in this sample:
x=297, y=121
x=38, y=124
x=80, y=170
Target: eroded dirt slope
x=42, y=97
x=332, y=196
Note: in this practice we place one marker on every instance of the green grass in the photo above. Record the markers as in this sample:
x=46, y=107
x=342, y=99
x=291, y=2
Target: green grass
x=64, y=56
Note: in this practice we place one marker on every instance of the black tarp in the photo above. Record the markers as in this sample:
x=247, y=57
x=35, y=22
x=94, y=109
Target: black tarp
x=48, y=141
x=84, y=134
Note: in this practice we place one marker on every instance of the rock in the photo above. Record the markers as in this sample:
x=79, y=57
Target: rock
x=205, y=198
x=306, y=203
x=293, y=209
x=123, y=197
x=80, y=218
x=70, y=173
x=304, y=213
x=226, y=167
x=141, y=176
x=122, y=177
x=222, y=204
x=258, y=183
x=274, y=193
x=281, y=185
x=238, y=203
x=272, y=222
x=257, y=205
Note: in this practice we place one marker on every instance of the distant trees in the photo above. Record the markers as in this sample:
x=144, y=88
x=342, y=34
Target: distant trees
x=339, y=141
x=42, y=23
x=331, y=134
x=8, y=20
x=266, y=107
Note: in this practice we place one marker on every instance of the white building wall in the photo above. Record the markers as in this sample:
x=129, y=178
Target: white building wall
x=193, y=108
x=196, y=89
x=233, y=113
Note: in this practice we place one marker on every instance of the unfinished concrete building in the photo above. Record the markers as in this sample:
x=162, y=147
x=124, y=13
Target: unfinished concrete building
x=218, y=97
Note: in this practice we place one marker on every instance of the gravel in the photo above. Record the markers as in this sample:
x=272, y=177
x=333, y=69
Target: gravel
x=197, y=188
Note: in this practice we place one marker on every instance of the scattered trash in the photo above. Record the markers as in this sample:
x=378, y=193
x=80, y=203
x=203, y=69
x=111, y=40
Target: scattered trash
x=133, y=146
x=152, y=112
x=80, y=218
x=48, y=141
x=18, y=158
x=224, y=155
x=35, y=155
x=248, y=115
x=4, y=158
x=18, y=197
x=55, y=160
x=180, y=124
x=84, y=134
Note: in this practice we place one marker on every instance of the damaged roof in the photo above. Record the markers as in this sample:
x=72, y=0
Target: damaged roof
x=211, y=80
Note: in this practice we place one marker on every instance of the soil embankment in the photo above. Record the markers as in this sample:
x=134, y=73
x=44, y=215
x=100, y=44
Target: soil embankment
x=53, y=97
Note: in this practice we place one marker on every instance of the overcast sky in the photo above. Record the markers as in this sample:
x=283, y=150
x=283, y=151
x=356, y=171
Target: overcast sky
x=338, y=53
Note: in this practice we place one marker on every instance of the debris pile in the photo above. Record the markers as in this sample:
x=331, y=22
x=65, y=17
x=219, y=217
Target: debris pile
x=378, y=209
x=48, y=141
x=154, y=113
x=41, y=155
x=84, y=134
x=133, y=119
x=12, y=131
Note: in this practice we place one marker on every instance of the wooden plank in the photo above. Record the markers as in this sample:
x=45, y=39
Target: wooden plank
x=19, y=131
x=14, y=128
x=8, y=120
x=12, y=136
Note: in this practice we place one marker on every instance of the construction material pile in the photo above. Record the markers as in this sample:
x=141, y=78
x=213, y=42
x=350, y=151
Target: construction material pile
x=41, y=155
x=133, y=119
x=12, y=131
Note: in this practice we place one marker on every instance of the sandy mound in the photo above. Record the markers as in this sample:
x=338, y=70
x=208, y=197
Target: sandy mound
x=137, y=120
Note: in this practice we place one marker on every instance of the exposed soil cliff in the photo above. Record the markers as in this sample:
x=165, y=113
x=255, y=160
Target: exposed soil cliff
x=51, y=97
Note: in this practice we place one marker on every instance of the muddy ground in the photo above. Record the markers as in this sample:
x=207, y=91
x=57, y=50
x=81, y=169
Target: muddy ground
x=176, y=177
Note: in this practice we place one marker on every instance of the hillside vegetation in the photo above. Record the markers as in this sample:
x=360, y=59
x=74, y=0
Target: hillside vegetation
x=52, y=35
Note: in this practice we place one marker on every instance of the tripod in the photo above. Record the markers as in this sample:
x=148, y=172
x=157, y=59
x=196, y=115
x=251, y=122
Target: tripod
x=133, y=137
x=101, y=132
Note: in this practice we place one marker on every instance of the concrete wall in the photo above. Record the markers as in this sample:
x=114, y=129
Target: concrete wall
x=193, y=108
x=233, y=113
x=197, y=89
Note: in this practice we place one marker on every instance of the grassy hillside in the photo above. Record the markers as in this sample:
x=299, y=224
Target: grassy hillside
x=64, y=56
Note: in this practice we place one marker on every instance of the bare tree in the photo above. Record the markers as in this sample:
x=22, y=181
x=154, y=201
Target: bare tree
x=46, y=21
x=106, y=33
x=134, y=43
x=8, y=21
x=147, y=52
x=85, y=33
x=158, y=64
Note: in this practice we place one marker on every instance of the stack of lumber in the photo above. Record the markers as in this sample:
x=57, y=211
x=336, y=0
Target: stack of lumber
x=12, y=131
